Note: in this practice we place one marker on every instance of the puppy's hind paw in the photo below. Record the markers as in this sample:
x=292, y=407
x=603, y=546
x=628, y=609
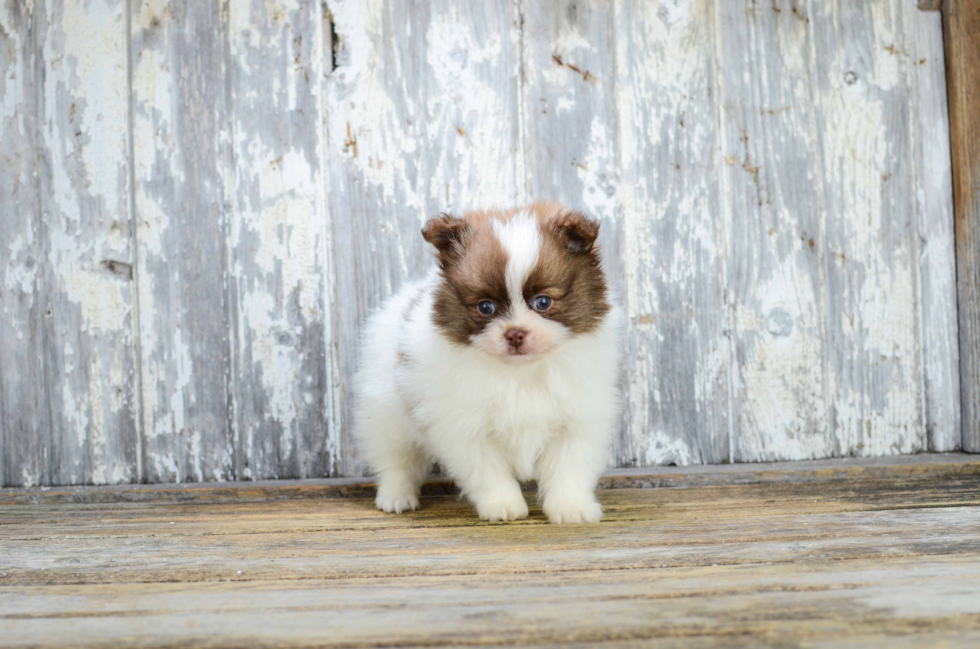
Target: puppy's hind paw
x=571, y=511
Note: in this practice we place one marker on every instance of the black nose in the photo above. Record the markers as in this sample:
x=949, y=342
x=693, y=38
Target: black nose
x=515, y=337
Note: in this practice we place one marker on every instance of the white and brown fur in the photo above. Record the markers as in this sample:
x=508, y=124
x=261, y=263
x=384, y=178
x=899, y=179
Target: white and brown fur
x=521, y=394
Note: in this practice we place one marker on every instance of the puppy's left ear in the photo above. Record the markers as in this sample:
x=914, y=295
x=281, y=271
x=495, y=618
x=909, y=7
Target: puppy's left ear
x=577, y=230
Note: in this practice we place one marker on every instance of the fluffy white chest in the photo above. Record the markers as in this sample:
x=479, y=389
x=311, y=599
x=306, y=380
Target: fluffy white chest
x=457, y=392
x=521, y=416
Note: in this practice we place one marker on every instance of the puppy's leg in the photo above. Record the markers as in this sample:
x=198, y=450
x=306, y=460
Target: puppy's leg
x=400, y=475
x=568, y=471
x=485, y=477
x=400, y=466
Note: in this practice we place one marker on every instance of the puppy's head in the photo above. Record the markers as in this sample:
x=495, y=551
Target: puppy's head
x=517, y=283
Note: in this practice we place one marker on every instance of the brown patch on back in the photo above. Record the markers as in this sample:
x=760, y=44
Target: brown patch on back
x=569, y=269
x=474, y=272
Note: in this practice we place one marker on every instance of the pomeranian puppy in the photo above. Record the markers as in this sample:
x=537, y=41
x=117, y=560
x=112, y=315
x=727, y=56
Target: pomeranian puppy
x=501, y=365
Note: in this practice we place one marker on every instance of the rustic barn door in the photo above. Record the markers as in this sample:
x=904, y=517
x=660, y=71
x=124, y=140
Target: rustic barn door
x=200, y=201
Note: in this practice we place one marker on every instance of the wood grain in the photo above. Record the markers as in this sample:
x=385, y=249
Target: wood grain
x=569, y=116
x=679, y=353
x=675, y=606
x=24, y=417
x=337, y=539
x=278, y=242
x=869, y=244
x=776, y=275
x=892, y=557
x=960, y=23
x=210, y=198
x=934, y=227
x=181, y=145
x=71, y=417
x=85, y=237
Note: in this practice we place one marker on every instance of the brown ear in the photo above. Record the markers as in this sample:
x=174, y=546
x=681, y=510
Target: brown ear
x=448, y=234
x=578, y=231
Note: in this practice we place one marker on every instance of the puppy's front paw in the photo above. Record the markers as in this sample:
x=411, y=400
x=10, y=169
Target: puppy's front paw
x=397, y=505
x=396, y=499
x=503, y=510
x=585, y=510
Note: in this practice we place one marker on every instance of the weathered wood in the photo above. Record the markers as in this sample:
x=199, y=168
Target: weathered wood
x=961, y=20
x=776, y=277
x=868, y=605
x=24, y=417
x=181, y=145
x=206, y=289
x=71, y=415
x=278, y=241
x=893, y=559
x=934, y=227
x=869, y=244
x=568, y=111
x=802, y=493
x=679, y=353
x=86, y=242
x=335, y=539
x=423, y=119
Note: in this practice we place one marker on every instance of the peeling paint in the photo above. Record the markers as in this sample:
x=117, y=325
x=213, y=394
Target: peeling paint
x=81, y=315
x=674, y=242
x=179, y=145
x=876, y=382
x=278, y=239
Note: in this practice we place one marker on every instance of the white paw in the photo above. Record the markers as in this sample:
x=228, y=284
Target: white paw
x=573, y=511
x=396, y=503
x=503, y=510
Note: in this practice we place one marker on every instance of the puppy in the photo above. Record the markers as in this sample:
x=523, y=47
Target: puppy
x=501, y=365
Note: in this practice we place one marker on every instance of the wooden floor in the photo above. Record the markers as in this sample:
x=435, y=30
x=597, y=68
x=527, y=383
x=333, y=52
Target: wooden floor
x=818, y=553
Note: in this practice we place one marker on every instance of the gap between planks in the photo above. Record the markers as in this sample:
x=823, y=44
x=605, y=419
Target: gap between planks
x=932, y=465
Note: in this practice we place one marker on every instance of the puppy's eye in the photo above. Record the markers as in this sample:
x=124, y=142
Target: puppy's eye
x=486, y=307
x=542, y=303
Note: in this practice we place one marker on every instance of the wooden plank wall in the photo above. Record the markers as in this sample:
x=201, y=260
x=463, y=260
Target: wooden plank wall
x=68, y=394
x=961, y=20
x=199, y=203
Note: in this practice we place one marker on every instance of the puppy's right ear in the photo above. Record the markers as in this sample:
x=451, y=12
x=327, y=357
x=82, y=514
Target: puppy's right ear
x=448, y=234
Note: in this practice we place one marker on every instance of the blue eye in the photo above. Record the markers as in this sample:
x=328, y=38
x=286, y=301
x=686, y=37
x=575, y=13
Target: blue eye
x=486, y=307
x=542, y=303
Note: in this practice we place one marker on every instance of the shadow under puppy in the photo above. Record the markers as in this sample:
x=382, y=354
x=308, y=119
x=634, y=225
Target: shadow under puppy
x=501, y=365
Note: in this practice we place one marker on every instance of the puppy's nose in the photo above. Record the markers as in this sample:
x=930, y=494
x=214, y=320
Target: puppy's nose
x=515, y=337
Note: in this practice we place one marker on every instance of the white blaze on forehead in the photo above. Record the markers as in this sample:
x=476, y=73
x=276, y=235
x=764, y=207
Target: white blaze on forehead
x=521, y=238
